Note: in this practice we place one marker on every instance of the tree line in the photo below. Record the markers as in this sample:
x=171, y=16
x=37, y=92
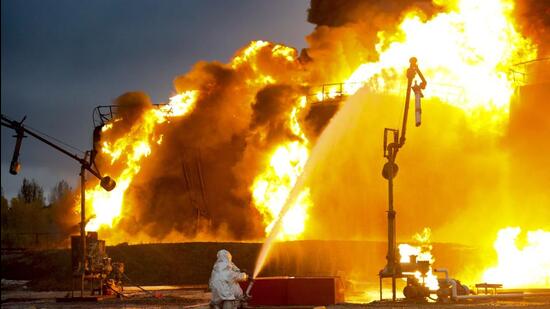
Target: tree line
x=30, y=220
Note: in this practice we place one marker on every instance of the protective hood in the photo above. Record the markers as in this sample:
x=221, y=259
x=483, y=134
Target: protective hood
x=224, y=278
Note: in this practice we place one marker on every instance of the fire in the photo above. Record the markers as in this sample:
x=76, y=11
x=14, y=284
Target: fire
x=467, y=52
x=423, y=253
x=271, y=189
x=129, y=150
x=253, y=48
x=526, y=266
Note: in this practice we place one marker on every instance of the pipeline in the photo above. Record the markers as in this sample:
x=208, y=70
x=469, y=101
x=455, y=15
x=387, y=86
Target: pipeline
x=456, y=297
x=498, y=296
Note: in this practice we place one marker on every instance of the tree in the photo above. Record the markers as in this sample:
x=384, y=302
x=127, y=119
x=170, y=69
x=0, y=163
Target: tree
x=5, y=209
x=59, y=192
x=30, y=192
x=62, y=211
x=28, y=214
x=33, y=224
x=4, y=216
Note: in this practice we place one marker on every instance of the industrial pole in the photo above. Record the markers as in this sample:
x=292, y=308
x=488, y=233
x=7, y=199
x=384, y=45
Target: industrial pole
x=86, y=164
x=82, y=228
x=392, y=244
x=389, y=171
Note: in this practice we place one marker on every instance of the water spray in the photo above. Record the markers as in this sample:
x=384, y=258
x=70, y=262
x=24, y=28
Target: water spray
x=266, y=247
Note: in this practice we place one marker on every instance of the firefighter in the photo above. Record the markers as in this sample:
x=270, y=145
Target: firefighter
x=224, y=283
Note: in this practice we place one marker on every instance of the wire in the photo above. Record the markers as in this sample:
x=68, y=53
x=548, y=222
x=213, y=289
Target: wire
x=57, y=140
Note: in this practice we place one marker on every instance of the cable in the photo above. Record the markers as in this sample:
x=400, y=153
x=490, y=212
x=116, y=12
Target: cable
x=57, y=140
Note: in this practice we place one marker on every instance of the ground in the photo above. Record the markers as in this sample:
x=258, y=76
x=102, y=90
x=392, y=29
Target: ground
x=176, y=274
x=198, y=297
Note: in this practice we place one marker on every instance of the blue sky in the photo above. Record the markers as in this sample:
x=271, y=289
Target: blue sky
x=62, y=58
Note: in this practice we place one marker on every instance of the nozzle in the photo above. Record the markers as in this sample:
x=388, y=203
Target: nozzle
x=411, y=71
x=15, y=166
x=107, y=183
x=249, y=288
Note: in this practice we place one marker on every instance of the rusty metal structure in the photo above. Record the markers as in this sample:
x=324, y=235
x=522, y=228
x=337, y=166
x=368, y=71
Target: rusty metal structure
x=98, y=267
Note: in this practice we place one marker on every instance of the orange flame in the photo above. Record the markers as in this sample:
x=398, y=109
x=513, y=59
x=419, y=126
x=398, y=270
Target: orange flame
x=466, y=52
x=272, y=187
x=131, y=149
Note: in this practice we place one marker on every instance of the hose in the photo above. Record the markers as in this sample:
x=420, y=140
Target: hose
x=141, y=288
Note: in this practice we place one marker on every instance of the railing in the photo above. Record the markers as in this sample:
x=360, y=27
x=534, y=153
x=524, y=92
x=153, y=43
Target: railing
x=103, y=114
x=527, y=72
x=334, y=92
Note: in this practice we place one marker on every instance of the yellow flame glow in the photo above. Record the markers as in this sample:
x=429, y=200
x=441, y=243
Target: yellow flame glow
x=465, y=53
x=470, y=48
x=423, y=253
x=525, y=266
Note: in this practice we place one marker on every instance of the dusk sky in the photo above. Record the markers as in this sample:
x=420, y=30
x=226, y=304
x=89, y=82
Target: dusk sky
x=60, y=59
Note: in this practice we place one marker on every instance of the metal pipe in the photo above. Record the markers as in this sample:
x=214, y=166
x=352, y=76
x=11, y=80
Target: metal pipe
x=500, y=296
x=391, y=225
x=411, y=72
x=417, y=104
x=453, y=290
x=19, y=127
x=456, y=297
x=443, y=270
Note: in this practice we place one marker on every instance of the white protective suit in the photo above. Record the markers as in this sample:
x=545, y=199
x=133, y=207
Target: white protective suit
x=224, y=280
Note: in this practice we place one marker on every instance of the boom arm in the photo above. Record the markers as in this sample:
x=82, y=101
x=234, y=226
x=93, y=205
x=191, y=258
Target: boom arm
x=106, y=182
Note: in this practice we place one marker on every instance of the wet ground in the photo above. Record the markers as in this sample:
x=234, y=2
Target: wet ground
x=155, y=297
